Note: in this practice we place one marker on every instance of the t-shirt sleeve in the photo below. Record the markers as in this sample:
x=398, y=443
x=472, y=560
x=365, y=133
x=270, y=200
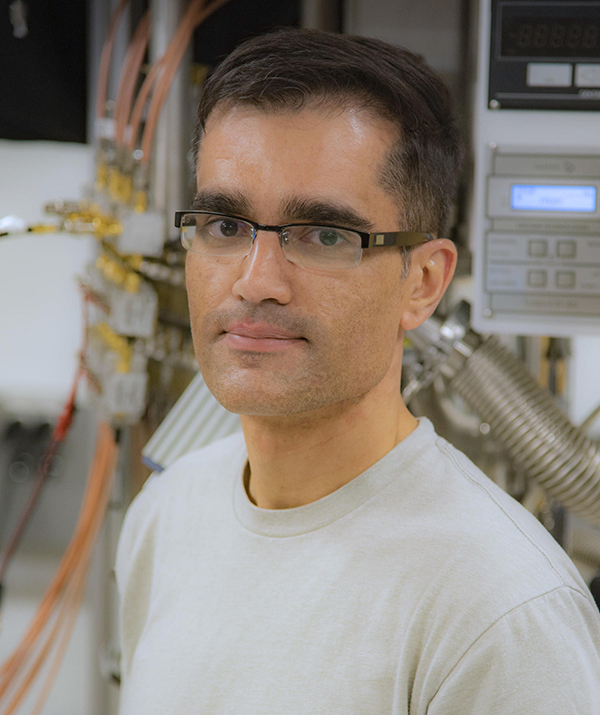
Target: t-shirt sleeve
x=541, y=658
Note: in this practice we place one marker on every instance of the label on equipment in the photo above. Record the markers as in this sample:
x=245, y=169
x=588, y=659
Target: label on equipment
x=544, y=197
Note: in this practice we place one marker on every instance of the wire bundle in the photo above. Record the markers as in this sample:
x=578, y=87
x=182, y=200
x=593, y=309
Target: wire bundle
x=49, y=632
x=158, y=81
x=59, y=434
x=129, y=76
x=161, y=75
x=105, y=60
x=118, y=152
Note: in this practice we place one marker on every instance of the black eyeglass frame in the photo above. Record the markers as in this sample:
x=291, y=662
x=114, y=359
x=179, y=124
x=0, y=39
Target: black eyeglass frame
x=368, y=240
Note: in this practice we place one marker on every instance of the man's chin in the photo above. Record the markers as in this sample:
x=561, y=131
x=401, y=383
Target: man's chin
x=264, y=402
x=252, y=407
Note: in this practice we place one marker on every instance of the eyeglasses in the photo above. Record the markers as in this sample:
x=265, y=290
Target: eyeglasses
x=314, y=246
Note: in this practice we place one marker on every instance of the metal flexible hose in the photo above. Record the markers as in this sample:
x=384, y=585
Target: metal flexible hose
x=538, y=436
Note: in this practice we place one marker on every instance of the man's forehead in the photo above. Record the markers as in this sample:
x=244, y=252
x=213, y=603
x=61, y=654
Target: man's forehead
x=319, y=107
x=303, y=166
x=354, y=126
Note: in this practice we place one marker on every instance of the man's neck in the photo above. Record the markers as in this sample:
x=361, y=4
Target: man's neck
x=301, y=458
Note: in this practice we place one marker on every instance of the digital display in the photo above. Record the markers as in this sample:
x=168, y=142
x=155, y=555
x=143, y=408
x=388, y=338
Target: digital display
x=545, y=197
x=527, y=31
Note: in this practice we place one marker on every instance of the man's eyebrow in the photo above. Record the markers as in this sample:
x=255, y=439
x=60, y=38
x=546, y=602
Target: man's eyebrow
x=232, y=203
x=296, y=208
x=299, y=208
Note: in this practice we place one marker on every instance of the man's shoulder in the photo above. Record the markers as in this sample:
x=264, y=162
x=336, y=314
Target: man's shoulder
x=467, y=524
x=189, y=478
x=474, y=553
x=202, y=478
x=203, y=463
x=497, y=534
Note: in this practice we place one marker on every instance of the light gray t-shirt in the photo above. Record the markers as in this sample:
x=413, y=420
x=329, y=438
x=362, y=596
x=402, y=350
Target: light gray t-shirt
x=419, y=587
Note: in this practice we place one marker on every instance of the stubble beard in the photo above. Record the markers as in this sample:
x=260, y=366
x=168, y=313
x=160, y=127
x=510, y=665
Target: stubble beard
x=254, y=388
x=255, y=384
x=324, y=372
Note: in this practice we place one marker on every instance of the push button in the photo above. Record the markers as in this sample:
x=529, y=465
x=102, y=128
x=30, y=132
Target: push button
x=538, y=248
x=587, y=75
x=566, y=249
x=549, y=74
x=565, y=279
x=537, y=279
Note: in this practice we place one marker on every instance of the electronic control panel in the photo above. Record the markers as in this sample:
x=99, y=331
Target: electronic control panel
x=545, y=55
x=542, y=238
x=534, y=212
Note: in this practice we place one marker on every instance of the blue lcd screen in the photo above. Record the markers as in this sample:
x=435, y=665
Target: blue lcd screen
x=549, y=197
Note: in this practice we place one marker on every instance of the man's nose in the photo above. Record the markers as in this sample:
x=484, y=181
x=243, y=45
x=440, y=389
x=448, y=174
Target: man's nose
x=265, y=272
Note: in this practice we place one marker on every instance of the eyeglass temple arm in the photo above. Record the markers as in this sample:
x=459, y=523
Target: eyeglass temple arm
x=395, y=238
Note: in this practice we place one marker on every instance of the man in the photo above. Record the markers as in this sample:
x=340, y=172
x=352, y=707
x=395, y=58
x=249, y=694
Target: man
x=338, y=557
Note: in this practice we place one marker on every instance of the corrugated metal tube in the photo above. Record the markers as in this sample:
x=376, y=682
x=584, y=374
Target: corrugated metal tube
x=536, y=433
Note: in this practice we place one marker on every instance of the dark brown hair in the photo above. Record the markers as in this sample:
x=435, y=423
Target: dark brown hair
x=290, y=69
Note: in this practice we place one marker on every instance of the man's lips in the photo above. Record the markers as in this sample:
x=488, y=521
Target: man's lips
x=262, y=337
x=260, y=331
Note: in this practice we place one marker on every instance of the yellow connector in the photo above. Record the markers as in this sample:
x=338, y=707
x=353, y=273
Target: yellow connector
x=126, y=188
x=140, y=202
x=101, y=177
x=43, y=228
x=135, y=261
x=105, y=226
x=117, y=343
x=114, y=182
x=132, y=282
x=117, y=271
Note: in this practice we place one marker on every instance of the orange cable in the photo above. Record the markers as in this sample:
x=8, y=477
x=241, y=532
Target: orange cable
x=105, y=59
x=68, y=564
x=41, y=619
x=39, y=661
x=163, y=73
x=72, y=612
x=70, y=620
x=157, y=70
x=129, y=76
x=61, y=577
x=140, y=102
x=172, y=59
x=104, y=466
x=59, y=434
x=72, y=617
x=56, y=586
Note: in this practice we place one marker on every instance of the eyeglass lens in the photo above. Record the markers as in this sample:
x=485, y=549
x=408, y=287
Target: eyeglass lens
x=317, y=246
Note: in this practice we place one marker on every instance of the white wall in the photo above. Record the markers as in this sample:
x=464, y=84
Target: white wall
x=40, y=308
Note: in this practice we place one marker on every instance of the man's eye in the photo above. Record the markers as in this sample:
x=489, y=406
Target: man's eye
x=322, y=237
x=328, y=237
x=224, y=228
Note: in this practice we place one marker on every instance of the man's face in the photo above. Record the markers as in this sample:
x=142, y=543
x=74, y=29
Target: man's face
x=272, y=337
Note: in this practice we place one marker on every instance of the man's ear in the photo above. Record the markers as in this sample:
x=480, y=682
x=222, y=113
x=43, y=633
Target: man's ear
x=431, y=269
